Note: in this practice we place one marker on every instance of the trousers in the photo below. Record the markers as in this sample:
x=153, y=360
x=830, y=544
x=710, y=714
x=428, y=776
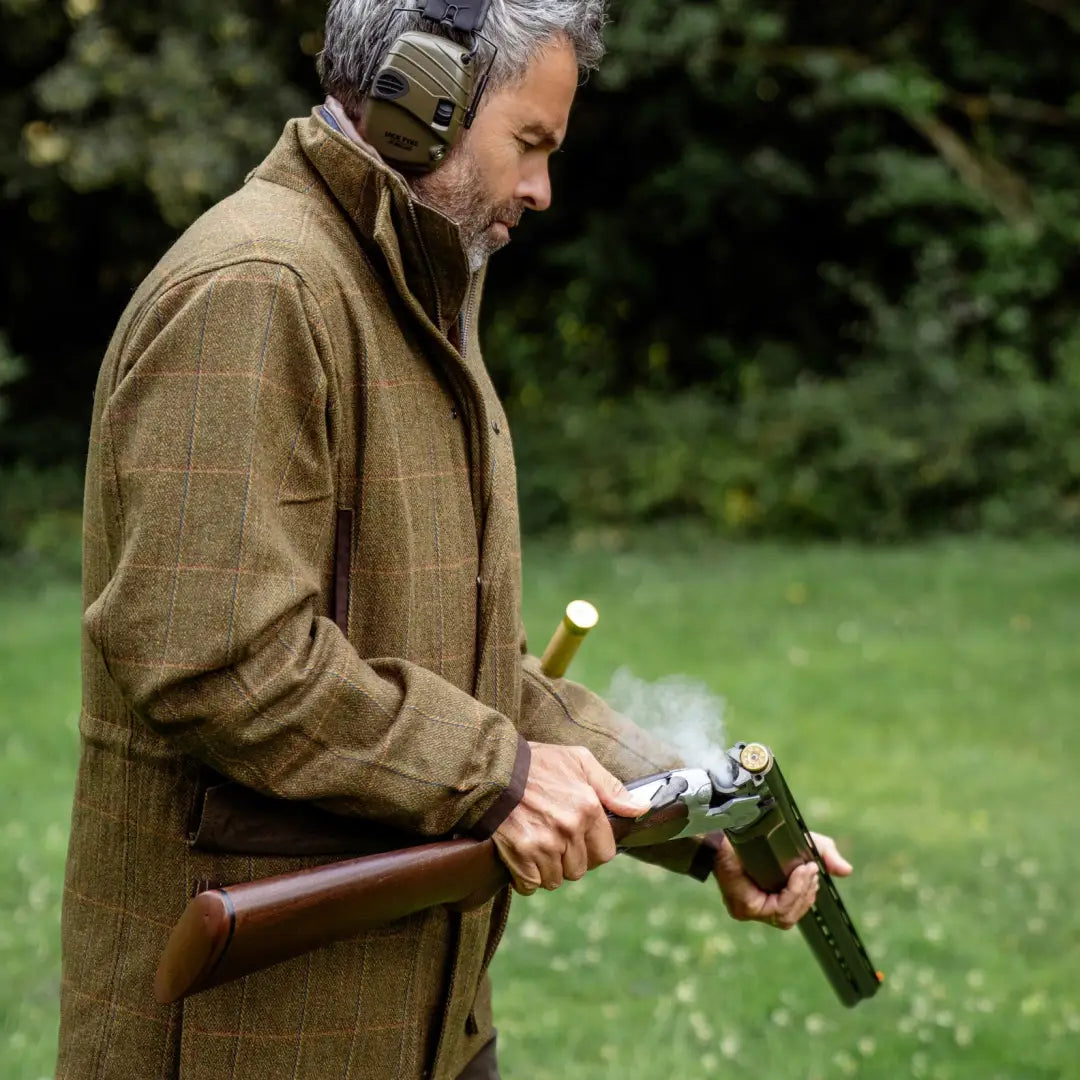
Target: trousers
x=482, y=1067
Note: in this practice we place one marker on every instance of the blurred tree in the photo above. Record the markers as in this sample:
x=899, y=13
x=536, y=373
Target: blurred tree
x=768, y=197
x=10, y=369
x=809, y=268
x=120, y=122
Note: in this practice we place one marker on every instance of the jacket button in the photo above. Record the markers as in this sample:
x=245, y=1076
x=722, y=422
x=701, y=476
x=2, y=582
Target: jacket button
x=495, y=426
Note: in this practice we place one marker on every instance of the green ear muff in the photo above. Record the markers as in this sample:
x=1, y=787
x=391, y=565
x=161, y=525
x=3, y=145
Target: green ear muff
x=418, y=99
x=426, y=88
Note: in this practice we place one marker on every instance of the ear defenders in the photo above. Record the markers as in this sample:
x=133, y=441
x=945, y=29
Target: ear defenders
x=422, y=94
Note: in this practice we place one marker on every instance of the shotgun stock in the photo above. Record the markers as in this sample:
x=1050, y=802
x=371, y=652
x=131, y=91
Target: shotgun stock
x=227, y=933
x=230, y=932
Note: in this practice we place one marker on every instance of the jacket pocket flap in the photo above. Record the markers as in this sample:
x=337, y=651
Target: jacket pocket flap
x=235, y=820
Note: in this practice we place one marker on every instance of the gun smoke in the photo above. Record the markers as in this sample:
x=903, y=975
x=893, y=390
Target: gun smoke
x=683, y=713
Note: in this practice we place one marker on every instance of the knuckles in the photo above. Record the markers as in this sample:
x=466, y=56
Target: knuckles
x=574, y=821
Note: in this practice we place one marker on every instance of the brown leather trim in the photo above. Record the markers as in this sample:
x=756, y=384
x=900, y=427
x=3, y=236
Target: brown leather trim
x=701, y=866
x=343, y=531
x=500, y=809
x=235, y=820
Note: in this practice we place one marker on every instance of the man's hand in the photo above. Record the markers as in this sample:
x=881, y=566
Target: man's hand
x=745, y=901
x=560, y=829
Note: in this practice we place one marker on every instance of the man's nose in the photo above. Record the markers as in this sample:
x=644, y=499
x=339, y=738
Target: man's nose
x=534, y=187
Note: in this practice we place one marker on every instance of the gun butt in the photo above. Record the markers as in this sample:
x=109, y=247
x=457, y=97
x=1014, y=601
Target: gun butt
x=227, y=933
x=195, y=945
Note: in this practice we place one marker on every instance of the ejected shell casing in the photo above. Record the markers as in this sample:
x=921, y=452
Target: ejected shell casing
x=755, y=758
x=579, y=619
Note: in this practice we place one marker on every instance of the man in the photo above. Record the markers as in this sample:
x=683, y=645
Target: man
x=302, y=634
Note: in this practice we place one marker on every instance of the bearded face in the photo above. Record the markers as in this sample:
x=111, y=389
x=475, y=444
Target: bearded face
x=458, y=190
x=499, y=167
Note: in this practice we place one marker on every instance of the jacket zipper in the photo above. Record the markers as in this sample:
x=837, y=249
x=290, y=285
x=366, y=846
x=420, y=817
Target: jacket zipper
x=465, y=316
x=497, y=933
x=427, y=262
x=449, y=998
x=494, y=937
x=465, y=399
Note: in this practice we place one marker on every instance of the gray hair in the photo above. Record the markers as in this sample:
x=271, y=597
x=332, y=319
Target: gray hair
x=360, y=32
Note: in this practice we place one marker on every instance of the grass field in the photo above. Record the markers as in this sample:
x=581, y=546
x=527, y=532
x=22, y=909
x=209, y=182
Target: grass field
x=922, y=702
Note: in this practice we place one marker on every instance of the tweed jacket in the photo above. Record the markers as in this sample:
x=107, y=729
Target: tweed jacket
x=302, y=634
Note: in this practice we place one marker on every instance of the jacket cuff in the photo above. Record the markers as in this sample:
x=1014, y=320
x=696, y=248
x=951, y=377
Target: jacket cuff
x=701, y=866
x=500, y=809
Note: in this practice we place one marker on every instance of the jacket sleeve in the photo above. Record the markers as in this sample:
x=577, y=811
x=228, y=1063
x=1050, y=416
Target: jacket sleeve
x=217, y=445
x=565, y=713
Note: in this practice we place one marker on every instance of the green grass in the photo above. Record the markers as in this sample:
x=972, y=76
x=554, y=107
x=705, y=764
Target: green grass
x=39, y=705
x=922, y=704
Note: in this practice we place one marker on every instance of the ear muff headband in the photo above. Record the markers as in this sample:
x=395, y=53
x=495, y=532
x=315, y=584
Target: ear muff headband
x=426, y=88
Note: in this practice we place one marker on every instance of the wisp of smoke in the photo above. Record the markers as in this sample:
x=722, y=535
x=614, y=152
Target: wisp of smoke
x=683, y=713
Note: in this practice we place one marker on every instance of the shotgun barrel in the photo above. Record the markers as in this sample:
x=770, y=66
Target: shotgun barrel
x=774, y=845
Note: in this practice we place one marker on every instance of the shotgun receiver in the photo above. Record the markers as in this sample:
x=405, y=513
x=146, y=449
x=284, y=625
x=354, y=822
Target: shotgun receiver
x=229, y=932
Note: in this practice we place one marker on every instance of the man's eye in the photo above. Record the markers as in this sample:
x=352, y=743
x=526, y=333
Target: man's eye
x=525, y=144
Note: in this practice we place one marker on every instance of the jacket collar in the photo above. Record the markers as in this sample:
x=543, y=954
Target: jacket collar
x=421, y=246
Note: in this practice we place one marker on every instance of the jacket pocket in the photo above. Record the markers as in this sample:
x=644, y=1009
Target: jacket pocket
x=235, y=820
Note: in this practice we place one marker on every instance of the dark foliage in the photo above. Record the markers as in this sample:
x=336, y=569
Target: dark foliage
x=809, y=270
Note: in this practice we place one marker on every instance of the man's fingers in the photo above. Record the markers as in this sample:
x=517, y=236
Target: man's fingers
x=797, y=897
x=524, y=877
x=546, y=875
x=599, y=844
x=527, y=875
x=834, y=862
x=784, y=909
x=552, y=876
x=746, y=902
x=549, y=861
x=575, y=860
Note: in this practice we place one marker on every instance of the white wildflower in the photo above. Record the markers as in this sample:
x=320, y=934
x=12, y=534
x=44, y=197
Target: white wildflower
x=845, y=1063
x=700, y=1026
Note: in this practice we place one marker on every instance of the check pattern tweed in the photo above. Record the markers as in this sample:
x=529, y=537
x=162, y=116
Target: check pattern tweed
x=304, y=356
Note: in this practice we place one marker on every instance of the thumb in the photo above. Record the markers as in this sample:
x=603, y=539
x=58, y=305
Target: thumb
x=615, y=797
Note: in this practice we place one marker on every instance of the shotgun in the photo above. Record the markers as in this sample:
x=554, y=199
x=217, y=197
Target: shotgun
x=226, y=933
